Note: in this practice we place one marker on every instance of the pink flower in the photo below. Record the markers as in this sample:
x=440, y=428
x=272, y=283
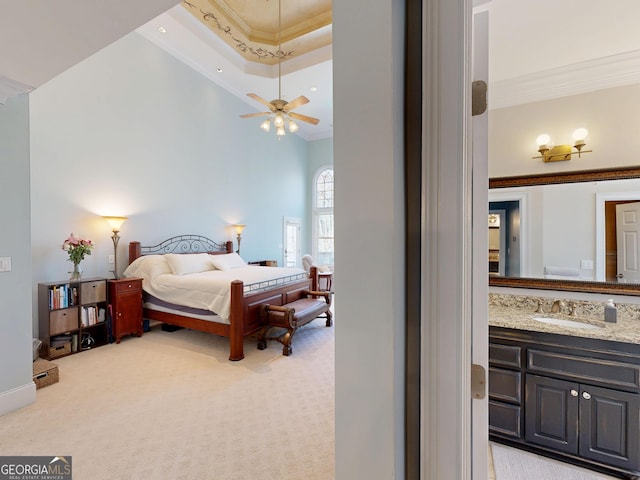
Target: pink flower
x=77, y=247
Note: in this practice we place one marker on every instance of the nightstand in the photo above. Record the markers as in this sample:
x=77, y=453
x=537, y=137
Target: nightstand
x=125, y=299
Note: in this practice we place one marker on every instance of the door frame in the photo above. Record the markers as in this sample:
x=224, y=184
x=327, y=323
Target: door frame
x=522, y=197
x=449, y=434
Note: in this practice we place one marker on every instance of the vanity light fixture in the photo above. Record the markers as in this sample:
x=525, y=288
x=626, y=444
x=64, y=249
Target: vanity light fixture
x=557, y=153
x=115, y=223
x=239, y=227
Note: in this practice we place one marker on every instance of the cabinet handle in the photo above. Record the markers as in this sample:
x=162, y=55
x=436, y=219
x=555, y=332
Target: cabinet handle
x=574, y=393
x=586, y=395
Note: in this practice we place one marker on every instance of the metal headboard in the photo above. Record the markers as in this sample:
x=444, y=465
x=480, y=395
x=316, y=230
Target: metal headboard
x=185, y=244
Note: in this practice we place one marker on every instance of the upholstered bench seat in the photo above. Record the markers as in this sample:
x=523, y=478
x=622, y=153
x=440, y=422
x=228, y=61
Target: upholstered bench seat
x=292, y=316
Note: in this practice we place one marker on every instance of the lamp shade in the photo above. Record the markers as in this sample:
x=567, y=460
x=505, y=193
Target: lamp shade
x=239, y=228
x=115, y=222
x=580, y=134
x=543, y=139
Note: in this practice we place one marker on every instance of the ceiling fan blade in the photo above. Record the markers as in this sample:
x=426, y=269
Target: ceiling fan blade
x=295, y=103
x=259, y=114
x=304, y=118
x=258, y=98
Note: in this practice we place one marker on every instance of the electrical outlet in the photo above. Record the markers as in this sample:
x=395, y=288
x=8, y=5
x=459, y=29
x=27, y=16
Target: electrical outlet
x=586, y=264
x=112, y=259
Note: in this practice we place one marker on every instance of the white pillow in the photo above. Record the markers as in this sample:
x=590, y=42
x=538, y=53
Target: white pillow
x=184, y=263
x=227, y=261
x=147, y=267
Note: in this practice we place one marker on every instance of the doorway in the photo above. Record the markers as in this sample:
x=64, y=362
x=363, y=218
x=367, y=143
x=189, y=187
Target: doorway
x=292, y=254
x=504, y=238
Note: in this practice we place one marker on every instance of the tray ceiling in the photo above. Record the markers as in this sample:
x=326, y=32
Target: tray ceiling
x=250, y=27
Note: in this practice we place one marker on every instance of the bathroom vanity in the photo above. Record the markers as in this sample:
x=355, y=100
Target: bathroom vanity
x=568, y=389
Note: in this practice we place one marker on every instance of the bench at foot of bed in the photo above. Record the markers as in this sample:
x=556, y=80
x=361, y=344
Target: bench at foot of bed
x=292, y=316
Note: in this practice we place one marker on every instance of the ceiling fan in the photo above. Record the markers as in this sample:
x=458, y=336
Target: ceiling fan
x=280, y=110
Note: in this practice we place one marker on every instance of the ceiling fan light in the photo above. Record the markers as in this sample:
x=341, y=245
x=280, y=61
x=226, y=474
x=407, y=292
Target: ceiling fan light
x=293, y=126
x=280, y=131
x=278, y=121
x=266, y=125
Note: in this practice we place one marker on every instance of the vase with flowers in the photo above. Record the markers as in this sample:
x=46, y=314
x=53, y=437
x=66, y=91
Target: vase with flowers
x=77, y=247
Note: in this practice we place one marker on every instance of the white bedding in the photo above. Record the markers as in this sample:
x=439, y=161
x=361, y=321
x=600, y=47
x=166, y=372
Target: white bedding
x=209, y=290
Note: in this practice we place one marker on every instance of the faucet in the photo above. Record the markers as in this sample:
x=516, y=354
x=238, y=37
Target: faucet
x=540, y=309
x=556, y=307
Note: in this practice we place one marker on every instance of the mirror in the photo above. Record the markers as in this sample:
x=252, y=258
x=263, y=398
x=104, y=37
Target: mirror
x=558, y=231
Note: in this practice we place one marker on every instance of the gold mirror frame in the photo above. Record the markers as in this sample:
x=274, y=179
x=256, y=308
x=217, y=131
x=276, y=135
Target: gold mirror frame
x=566, y=177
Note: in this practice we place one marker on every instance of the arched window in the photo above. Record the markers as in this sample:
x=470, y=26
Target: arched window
x=323, y=216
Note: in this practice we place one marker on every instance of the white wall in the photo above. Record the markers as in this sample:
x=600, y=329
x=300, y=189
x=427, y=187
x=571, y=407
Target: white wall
x=16, y=386
x=610, y=115
x=368, y=161
x=132, y=131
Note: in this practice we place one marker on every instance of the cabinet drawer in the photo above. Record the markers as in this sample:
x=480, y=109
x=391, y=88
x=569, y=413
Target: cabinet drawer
x=505, y=419
x=505, y=355
x=584, y=369
x=505, y=385
x=93, y=292
x=128, y=287
x=61, y=321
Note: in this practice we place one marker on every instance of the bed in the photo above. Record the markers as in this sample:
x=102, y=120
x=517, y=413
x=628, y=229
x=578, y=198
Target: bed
x=229, y=305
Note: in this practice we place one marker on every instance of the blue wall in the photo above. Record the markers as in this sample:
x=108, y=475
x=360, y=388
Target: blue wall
x=132, y=131
x=16, y=388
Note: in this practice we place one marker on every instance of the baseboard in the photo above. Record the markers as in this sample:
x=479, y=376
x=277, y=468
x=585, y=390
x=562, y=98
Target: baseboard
x=17, y=398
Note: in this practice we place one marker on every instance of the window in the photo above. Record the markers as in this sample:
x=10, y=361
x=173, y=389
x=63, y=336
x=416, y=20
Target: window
x=323, y=217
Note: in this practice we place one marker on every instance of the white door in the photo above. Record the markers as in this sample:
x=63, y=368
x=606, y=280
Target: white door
x=292, y=249
x=628, y=242
x=480, y=267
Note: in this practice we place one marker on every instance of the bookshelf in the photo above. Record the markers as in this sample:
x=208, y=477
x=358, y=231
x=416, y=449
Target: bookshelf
x=72, y=316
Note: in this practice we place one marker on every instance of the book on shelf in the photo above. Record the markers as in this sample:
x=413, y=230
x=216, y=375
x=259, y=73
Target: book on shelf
x=62, y=296
x=91, y=315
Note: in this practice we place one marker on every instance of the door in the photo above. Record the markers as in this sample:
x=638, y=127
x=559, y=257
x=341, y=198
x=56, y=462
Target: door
x=292, y=249
x=609, y=422
x=551, y=413
x=628, y=241
x=480, y=245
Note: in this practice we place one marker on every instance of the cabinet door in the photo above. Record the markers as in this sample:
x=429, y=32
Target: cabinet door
x=551, y=416
x=609, y=422
x=128, y=315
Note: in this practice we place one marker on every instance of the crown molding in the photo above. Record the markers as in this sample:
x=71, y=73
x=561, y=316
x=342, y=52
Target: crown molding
x=606, y=72
x=11, y=88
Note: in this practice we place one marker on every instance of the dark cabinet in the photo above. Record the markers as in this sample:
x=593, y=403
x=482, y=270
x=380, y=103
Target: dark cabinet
x=505, y=390
x=578, y=398
x=600, y=424
x=125, y=298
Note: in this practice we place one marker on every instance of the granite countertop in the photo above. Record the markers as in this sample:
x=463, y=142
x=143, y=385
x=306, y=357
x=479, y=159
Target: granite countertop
x=625, y=330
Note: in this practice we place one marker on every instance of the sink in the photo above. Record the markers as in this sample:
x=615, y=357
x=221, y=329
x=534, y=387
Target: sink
x=565, y=323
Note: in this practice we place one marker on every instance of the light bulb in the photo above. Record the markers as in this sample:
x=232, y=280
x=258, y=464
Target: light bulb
x=580, y=134
x=280, y=131
x=278, y=121
x=266, y=125
x=293, y=126
x=543, y=139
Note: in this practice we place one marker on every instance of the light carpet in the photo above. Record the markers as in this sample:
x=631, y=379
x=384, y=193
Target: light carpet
x=172, y=406
x=514, y=464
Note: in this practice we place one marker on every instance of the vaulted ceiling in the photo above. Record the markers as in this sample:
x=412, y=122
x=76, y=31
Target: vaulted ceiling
x=538, y=49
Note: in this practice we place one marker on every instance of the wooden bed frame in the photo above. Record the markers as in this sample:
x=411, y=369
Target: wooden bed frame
x=245, y=307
